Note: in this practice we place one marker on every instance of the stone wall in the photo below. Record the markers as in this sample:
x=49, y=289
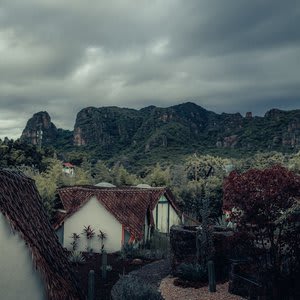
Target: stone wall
x=183, y=247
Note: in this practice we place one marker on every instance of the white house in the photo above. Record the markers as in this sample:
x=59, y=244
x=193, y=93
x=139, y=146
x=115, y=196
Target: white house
x=33, y=264
x=68, y=169
x=126, y=214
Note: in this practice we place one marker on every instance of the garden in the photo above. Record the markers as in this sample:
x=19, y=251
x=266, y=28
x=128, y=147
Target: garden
x=251, y=252
x=256, y=249
x=98, y=272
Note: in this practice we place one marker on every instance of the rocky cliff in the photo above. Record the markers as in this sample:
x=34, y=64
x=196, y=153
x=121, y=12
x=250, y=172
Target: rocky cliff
x=184, y=127
x=40, y=123
x=106, y=126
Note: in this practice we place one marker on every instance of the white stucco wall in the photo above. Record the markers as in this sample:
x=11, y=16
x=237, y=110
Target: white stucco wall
x=174, y=218
x=161, y=210
x=18, y=278
x=95, y=214
x=146, y=230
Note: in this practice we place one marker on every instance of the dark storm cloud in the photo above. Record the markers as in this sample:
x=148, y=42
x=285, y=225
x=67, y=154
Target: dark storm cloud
x=61, y=56
x=237, y=25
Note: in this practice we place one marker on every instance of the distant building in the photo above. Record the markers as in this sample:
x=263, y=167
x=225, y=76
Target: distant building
x=68, y=169
x=33, y=264
x=126, y=214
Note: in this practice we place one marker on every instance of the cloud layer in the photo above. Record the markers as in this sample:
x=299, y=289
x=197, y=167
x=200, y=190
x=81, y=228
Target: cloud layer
x=61, y=56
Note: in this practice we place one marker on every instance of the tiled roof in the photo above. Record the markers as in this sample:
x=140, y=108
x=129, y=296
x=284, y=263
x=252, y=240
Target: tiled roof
x=129, y=205
x=21, y=205
x=68, y=165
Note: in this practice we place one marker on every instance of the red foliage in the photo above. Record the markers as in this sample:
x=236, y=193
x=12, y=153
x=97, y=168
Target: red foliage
x=262, y=195
x=265, y=206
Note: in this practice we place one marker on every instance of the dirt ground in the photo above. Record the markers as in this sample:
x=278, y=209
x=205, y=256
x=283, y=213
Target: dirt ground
x=171, y=292
x=103, y=287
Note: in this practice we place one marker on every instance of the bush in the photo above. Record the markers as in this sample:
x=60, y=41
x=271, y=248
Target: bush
x=132, y=288
x=129, y=251
x=192, y=272
x=149, y=254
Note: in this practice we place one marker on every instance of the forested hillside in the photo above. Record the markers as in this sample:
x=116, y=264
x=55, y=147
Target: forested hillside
x=153, y=134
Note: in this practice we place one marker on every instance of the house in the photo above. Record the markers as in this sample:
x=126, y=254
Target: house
x=125, y=214
x=68, y=169
x=32, y=262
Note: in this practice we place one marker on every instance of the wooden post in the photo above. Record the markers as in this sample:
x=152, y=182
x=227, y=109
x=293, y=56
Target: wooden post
x=211, y=276
x=104, y=264
x=91, y=285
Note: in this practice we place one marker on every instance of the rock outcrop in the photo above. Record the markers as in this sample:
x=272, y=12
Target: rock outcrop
x=185, y=127
x=40, y=123
x=106, y=126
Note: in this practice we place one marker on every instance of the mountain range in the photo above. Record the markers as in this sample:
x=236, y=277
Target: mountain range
x=179, y=129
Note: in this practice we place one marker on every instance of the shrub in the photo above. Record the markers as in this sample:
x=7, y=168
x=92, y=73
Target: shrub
x=108, y=268
x=149, y=254
x=129, y=251
x=132, y=288
x=192, y=272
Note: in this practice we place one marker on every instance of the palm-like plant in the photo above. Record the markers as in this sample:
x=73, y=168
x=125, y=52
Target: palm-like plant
x=102, y=236
x=89, y=233
x=74, y=243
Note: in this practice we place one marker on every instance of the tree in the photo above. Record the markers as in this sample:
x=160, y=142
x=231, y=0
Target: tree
x=101, y=172
x=82, y=177
x=294, y=163
x=261, y=160
x=158, y=176
x=191, y=196
x=86, y=165
x=47, y=184
x=203, y=166
x=264, y=205
x=178, y=175
x=122, y=177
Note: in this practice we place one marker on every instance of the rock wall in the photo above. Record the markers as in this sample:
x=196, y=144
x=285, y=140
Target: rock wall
x=39, y=121
x=183, y=247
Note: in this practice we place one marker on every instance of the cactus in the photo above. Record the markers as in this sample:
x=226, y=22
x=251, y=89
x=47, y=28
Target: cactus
x=211, y=276
x=91, y=285
x=104, y=265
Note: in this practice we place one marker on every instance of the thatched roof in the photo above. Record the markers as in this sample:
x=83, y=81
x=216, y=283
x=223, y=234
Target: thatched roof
x=21, y=205
x=129, y=205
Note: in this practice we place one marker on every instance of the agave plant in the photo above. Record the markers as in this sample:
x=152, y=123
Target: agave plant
x=76, y=257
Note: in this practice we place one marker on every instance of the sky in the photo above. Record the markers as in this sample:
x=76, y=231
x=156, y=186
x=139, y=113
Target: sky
x=227, y=56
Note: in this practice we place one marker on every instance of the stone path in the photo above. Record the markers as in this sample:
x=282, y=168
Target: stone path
x=153, y=273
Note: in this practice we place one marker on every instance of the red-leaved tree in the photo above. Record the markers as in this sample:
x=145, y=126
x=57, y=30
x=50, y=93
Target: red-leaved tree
x=265, y=207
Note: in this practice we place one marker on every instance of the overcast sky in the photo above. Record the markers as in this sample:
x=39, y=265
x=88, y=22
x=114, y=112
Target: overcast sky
x=225, y=55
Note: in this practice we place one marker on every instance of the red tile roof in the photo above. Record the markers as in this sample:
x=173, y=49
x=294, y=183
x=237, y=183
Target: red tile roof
x=21, y=205
x=68, y=165
x=128, y=205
